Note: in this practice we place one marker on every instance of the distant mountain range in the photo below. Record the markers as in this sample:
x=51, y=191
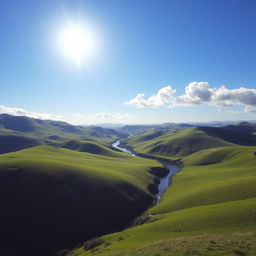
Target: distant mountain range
x=19, y=132
x=179, y=142
x=139, y=129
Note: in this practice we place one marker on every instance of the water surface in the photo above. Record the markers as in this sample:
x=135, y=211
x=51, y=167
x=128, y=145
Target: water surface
x=164, y=181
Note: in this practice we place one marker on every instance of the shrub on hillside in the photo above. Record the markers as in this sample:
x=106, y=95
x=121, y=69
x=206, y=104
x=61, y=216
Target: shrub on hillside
x=92, y=243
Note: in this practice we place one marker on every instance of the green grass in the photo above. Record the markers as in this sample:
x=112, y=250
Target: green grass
x=224, y=218
x=232, y=244
x=176, y=143
x=10, y=142
x=54, y=197
x=47, y=132
x=214, y=194
x=90, y=147
x=203, y=182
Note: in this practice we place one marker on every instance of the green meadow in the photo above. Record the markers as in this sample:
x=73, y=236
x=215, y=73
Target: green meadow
x=210, y=209
x=64, y=186
x=177, y=143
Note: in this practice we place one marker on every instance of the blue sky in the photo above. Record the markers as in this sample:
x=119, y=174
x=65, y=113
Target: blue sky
x=142, y=47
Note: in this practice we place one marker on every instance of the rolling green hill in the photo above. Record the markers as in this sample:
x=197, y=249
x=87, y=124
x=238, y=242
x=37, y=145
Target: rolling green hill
x=13, y=142
x=19, y=132
x=52, y=198
x=74, y=188
x=140, y=129
x=244, y=127
x=89, y=147
x=180, y=143
x=209, y=210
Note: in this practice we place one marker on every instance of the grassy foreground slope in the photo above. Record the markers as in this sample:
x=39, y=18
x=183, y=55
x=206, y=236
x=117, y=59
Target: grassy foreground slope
x=212, y=176
x=52, y=198
x=209, y=210
x=180, y=143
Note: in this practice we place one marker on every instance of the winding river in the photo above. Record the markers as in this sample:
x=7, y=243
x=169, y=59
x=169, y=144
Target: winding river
x=125, y=150
x=164, y=182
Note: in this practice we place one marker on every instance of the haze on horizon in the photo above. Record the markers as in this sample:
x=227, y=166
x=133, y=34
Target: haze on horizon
x=90, y=62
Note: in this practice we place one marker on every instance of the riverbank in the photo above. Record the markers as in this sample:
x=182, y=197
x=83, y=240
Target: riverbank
x=163, y=180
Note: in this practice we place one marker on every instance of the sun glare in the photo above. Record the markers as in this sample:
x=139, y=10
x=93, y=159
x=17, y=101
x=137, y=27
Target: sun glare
x=77, y=43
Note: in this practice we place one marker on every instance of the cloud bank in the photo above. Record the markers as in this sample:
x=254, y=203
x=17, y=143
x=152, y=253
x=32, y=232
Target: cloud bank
x=103, y=116
x=198, y=93
x=163, y=97
x=77, y=118
x=24, y=112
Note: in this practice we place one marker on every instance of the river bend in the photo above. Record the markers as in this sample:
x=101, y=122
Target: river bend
x=164, y=182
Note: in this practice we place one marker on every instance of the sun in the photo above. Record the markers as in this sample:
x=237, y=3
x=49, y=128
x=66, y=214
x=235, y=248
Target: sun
x=76, y=42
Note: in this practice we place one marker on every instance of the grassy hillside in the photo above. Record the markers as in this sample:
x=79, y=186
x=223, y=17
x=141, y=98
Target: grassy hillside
x=52, y=198
x=212, y=176
x=140, y=129
x=89, y=147
x=209, y=210
x=180, y=143
x=243, y=127
x=12, y=142
x=19, y=132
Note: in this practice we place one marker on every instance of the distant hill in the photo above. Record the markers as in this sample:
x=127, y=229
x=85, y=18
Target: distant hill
x=10, y=143
x=244, y=127
x=89, y=147
x=18, y=132
x=139, y=129
x=179, y=143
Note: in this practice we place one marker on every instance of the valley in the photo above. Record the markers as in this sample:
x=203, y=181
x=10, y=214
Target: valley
x=77, y=195
x=128, y=128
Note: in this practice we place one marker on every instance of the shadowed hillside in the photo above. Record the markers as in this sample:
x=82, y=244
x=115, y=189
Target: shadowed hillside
x=55, y=198
x=10, y=143
x=244, y=127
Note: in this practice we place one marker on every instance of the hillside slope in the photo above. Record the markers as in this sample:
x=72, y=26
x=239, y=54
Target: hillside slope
x=180, y=143
x=19, y=132
x=140, y=129
x=90, y=147
x=52, y=198
x=214, y=194
x=13, y=142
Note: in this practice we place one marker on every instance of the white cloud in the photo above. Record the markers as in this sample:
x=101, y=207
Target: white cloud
x=108, y=115
x=249, y=109
x=199, y=93
x=77, y=118
x=103, y=116
x=242, y=96
x=24, y=112
x=196, y=93
x=162, y=97
x=228, y=111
